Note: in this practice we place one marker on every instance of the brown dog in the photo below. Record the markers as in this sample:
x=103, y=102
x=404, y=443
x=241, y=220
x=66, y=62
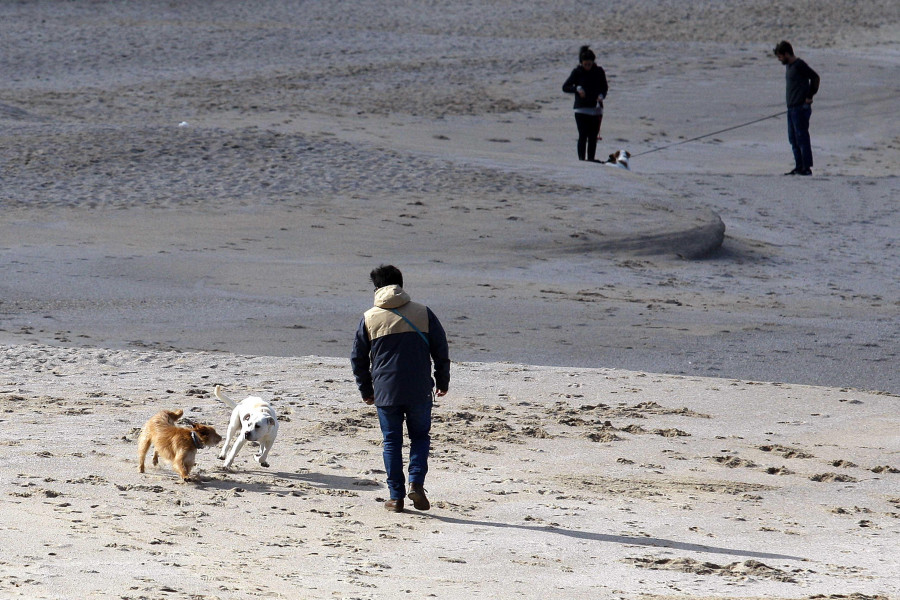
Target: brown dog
x=178, y=445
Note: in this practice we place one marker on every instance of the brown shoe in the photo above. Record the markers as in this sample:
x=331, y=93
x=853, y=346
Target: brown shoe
x=394, y=505
x=417, y=495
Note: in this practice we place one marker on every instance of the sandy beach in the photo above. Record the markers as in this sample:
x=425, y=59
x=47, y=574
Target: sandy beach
x=678, y=381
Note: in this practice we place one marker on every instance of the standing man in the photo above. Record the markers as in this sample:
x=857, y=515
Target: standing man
x=395, y=344
x=802, y=85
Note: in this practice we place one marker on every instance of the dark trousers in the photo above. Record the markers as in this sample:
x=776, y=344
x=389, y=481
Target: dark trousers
x=588, y=131
x=798, y=135
x=418, y=426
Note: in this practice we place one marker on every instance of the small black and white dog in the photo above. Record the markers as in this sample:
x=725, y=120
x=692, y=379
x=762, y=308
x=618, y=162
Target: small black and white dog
x=619, y=158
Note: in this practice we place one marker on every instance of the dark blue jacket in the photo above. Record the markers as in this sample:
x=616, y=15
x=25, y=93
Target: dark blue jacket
x=390, y=359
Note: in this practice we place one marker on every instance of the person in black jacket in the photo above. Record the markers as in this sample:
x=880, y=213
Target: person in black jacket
x=802, y=85
x=395, y=344
x=588, y=83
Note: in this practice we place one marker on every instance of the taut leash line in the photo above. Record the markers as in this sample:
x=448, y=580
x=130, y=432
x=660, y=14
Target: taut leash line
x=700, y=137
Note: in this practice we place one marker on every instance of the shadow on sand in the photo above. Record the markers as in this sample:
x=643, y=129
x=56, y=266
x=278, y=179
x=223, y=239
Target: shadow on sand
x=617, y=539
x=265, y=481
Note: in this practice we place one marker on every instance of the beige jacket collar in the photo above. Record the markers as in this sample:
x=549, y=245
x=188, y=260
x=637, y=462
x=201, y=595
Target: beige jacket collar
x=391, y=296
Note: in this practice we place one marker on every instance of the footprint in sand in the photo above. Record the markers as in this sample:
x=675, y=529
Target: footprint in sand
x=829, y=477
x=741, y=570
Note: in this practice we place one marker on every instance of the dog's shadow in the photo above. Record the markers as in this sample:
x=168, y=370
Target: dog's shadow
x=334, y=482
x=265, y=481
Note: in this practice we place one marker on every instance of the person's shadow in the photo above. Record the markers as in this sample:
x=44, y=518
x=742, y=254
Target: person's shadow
x=615, y=539
x=355, y=483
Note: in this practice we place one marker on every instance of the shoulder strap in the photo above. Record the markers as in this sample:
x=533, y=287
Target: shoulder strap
x=417, y=330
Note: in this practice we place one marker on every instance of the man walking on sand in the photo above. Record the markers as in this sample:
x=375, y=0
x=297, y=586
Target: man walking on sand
x=395, y=344
x=802, y=85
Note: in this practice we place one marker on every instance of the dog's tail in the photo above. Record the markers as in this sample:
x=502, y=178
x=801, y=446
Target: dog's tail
x=173, y=415
x=223, y=397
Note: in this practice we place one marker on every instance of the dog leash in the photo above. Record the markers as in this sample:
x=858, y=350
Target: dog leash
x=411, y=324
x=700, y=137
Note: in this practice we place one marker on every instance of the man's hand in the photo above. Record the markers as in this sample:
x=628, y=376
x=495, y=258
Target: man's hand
x=440, y=393
x=370, y=400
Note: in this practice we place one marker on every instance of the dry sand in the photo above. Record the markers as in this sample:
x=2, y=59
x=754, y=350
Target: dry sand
x=574, y=483
x=194, y=194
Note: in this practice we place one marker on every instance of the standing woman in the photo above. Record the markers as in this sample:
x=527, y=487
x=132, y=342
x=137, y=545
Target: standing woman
x=588, y=83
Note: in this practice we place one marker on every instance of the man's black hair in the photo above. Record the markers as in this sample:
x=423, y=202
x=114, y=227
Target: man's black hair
x=784, y=48
x=386, y=275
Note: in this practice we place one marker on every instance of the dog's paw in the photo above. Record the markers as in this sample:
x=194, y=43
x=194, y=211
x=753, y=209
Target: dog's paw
x=264, y=464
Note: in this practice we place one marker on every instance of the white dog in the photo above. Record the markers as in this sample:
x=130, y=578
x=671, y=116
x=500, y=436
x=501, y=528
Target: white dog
x=619, y=158
x=254, y=420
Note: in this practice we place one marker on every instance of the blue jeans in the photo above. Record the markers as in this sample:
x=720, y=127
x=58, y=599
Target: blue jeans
x=418, y=426
x=798, y=135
